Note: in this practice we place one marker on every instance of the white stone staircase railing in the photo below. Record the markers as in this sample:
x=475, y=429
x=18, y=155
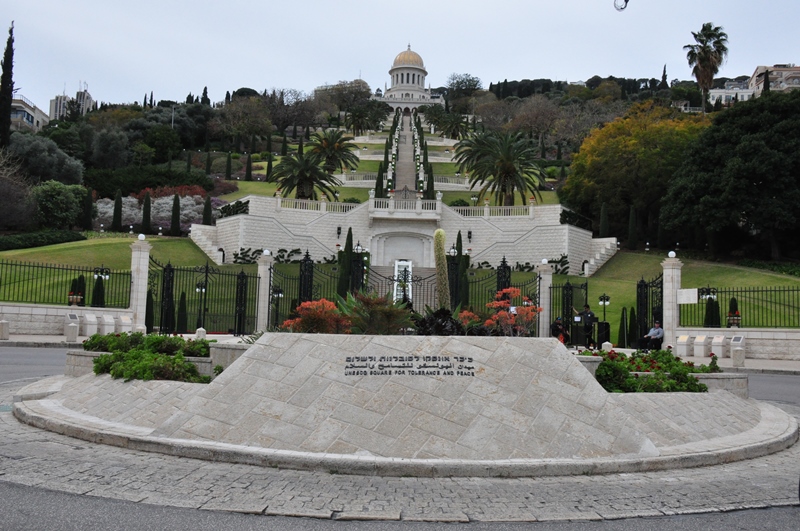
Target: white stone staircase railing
x=205, y=237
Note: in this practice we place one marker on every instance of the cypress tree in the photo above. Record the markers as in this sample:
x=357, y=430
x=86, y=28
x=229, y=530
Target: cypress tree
x=248, y=171
x=294, y=132
x=228, y=167
x=149, y=313
x=633, y=329
x=379, y=182
x=116, y=220
x=308, y=132
x=146, y=225
x=252, y=143
x=345, y=257
x=300, y=147
x=632, y=238
x=7, y=89
x=430, y=191
x=238, y=147
x=284, y=146
x=208, y=218
x=88, y=210
x=269, y=167
x=99, y=293
x=169, y=160
x=269, y=142
x=622, y=336
x=182, y=326
x=603, y=221
x=188, y=162
x=208, y=163
x=766, y=88
x=175, y=222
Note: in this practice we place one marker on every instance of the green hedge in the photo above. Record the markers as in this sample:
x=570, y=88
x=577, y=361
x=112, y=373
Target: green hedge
x=650, y=372
x=38, y=239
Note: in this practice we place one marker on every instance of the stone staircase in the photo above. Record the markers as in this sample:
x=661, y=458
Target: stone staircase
x=602, y=251
x=205, y=236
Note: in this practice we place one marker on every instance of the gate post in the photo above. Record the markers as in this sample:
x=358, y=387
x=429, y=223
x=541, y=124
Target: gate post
x=545, y=272
x=672, y=283
x=503, y=275
x=264, y=291
x=140, y=260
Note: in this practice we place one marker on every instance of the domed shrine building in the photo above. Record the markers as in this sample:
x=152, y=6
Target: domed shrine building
x=407, y=91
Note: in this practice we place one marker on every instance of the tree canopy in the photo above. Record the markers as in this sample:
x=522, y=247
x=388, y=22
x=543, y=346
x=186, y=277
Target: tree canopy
x=630, y=162
x=744, y=171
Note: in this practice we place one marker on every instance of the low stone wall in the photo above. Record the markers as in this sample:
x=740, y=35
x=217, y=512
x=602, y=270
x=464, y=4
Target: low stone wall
x=50, y=320
x=759, y=343
x=735, y=383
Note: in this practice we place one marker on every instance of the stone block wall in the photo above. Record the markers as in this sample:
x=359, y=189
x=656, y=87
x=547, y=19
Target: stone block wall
x=32, y=319
x=759, y=343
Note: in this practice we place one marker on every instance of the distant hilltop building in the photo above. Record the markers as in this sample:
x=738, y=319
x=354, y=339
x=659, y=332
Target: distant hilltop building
x=58, y=105
x=407, y=90
x=782, y=78
x=25, y=116
x=734, y=91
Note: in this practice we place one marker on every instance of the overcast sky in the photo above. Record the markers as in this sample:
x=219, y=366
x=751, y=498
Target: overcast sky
x=124, y=49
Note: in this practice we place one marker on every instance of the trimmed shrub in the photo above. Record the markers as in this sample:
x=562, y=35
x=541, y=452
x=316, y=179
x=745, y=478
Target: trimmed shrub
x=38, y=239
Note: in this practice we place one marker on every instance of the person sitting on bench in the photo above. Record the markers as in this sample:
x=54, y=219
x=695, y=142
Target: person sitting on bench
x=653, y=339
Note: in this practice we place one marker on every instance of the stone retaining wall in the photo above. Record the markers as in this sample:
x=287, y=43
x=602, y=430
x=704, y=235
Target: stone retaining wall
x=50, y=320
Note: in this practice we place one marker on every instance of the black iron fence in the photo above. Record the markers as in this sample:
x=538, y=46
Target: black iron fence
x=758, y=307
x=188, y=298
x=287, y=291
x=36, y=283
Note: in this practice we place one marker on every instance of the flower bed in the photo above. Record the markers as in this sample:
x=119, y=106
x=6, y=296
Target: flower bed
x=657, y=371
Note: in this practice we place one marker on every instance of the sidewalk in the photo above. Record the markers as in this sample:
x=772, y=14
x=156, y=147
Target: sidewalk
x=36, y=341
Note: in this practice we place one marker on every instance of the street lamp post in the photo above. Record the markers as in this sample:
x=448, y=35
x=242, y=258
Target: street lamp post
x=604, y=301
x=200, y=288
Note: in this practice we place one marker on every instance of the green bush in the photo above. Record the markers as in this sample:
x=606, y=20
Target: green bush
x=121, y=342
x=141, y=364
x=167, y=345
x=654, y=372
x=133, y=179
x=38, y=239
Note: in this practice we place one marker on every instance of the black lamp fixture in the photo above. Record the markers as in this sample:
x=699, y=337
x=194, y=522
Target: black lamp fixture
x=605, y=300
x=102, y=272
x=453, y=251
x=469, y=236
x=338, y=232
x=474, y=199
x=647, y=246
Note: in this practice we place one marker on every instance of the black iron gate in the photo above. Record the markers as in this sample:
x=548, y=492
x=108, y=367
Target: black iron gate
x=287, y=292
x=187, y=298
x=417, y=292
x=649, y=303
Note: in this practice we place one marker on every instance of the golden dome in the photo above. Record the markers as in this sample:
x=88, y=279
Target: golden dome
x=408, y=58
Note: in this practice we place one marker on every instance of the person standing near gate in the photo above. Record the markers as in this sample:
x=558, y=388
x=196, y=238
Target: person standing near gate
x=588, y=318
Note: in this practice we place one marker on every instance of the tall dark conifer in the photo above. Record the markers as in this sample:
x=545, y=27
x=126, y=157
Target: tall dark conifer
x=146, y=225
x=208, y=163
x=208, y=218
x=228, y=167
x=88, y=210
x=284, y=146
x=7, y=90
x=248, y=170
x=116, y=219
x=345, y=258
x=175, y=222
x=379, y=182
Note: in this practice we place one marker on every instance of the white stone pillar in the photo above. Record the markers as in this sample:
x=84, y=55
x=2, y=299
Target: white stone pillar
x=672, y=283
x=264, y=285
x=140, y=266
x=545, y=272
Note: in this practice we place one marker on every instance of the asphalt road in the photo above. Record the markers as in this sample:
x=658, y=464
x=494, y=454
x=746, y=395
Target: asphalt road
x=25, y=508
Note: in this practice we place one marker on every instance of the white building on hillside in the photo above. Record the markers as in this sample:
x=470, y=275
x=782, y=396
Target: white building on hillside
x=782, y=77
x=407, y=90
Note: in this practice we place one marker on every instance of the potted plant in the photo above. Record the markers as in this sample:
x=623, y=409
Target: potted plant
x=734, y=318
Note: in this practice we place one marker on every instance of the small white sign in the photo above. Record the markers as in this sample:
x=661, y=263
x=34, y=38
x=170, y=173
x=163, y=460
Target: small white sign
x=687, y=296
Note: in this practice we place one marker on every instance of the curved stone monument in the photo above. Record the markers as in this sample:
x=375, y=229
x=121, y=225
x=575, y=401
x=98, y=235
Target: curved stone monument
x=413, y=405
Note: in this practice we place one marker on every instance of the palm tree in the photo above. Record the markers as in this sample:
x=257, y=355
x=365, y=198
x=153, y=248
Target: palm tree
x=706, y=56
x=453, y=125
x=335, y=150
x=501, y=163
x=303, y=174
x=357, y=120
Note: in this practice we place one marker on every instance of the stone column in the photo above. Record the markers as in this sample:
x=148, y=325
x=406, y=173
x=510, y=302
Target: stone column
x=264, y=285
x=672, y=283
x=545, y=272
x=140, y=266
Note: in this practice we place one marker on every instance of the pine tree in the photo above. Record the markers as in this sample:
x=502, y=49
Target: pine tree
x=175, y=222
x=603, y=221
x=7, y=90
x=88, y=210
x=248, y=170
x=208, y=217
x=116, y=220
x=228, y=167
x=345, y=258
x=146, y=225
